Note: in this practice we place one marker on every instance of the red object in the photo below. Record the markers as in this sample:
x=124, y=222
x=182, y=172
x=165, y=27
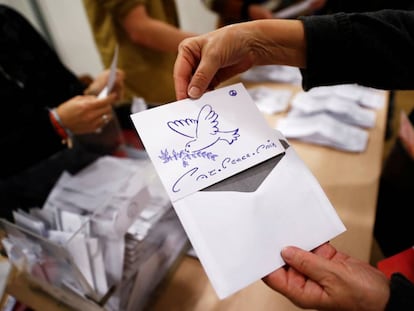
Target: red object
x=59, y=129
x=132, y=139
x=402, y=262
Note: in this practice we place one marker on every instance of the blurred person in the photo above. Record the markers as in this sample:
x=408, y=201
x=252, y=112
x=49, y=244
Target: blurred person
x=350, y=6
x=45, y=107
x=236, y=11
x=147, y=33
x=329, y=49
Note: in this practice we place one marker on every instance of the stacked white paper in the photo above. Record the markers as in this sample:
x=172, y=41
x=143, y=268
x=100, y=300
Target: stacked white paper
x=341, y=108
x=323, y=129
x=273, y=73
x=269, y=100
x=103, y=227
x=364, y=96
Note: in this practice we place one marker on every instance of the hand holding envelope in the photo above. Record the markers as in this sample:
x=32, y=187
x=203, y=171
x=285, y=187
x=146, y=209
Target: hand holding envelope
x=240, y=191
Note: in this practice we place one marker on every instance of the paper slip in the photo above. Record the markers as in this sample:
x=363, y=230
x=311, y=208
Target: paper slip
x=273, y=73
x=247, y=197
x=364, y=96
x=323, y=129
x=294, y=9
x=270, y=100
x=343, y=109
x=112, y=76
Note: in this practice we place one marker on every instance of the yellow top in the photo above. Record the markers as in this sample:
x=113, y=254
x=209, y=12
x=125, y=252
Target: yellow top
x=148, y=73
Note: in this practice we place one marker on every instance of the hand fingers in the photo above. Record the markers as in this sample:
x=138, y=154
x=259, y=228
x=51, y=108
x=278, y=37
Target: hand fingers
x=309, y=264
x=99, y=112
x=183, y=70
x=193, y=73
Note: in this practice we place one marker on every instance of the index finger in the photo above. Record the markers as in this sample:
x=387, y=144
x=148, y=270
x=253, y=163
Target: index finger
x=195, y=67
x=182, y=76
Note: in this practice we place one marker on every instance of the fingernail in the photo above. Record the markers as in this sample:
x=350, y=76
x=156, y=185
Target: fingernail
x=194, y=92
x=288, y=253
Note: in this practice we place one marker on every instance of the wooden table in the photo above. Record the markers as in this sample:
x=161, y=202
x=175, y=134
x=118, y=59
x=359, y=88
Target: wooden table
x=350, y=180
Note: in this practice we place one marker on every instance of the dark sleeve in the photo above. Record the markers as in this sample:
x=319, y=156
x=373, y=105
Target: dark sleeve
x=373, y=49
x=401, y=295
x=352, y=6
x=33, y=79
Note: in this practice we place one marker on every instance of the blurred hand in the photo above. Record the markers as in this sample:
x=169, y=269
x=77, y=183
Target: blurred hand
x=86, y=113
x=259, y=12
x=102, y=79
x=326, y=279
x=317, y=4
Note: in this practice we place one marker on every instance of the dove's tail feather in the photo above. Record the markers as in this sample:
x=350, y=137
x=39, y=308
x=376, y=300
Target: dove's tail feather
x=230, y=136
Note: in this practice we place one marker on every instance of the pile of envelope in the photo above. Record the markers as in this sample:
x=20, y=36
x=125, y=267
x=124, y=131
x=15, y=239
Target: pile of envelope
x=108, y=234
x=334, y=116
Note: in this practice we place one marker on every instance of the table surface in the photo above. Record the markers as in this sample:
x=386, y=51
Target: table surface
x=350, y=180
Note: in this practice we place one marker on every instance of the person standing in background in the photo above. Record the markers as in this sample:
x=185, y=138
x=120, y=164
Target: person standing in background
x=350, y=6
x=147, y=33
x=235, y=11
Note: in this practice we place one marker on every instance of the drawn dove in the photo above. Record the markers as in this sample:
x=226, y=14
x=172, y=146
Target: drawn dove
x=204, y=131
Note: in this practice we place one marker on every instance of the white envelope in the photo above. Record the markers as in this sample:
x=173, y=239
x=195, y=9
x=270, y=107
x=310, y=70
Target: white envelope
x=237, y=223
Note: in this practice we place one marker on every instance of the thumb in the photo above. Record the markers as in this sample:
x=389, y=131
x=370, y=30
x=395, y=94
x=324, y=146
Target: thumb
x=309, y=264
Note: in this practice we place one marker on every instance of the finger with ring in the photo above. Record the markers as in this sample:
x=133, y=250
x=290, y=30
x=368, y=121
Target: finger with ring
x=105, y=118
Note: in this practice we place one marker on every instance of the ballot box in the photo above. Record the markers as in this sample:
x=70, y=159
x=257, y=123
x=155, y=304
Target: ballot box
x=103, y=240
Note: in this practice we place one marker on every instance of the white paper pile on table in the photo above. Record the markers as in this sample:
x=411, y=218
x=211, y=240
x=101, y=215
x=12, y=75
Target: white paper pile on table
x=340, y=108
x=270, y=100
x=364, y=96
x=322, y=129
x=333, y=116
x=101, y=228
x=272, y=73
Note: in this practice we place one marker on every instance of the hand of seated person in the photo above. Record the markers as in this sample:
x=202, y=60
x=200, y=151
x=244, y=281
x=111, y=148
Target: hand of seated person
x=102, y=79
x=86, y=114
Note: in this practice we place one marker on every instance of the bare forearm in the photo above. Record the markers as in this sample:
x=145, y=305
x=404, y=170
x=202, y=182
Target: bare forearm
x=153, y=33
x=277, y=42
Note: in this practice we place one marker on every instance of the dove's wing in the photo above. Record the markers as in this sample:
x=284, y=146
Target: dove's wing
x=207, y=121
x=186, y=127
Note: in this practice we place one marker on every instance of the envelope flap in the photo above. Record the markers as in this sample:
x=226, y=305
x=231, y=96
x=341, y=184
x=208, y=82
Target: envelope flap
x=250, y=179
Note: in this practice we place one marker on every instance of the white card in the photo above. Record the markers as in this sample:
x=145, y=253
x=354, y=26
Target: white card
x=196, y=143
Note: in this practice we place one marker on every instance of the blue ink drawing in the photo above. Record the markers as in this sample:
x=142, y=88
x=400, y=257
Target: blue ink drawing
x=203, y=132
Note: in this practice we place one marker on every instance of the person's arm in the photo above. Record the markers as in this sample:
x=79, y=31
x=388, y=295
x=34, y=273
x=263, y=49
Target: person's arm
x=331, y=49
x=401, y=295
x=207, y=60
x=372, y=49
x=152, y=33
x=352, y=6
x=327, y=279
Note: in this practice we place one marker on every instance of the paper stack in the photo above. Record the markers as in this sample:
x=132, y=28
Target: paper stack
x=100, y=234
x=333, y=116
x=272, y=73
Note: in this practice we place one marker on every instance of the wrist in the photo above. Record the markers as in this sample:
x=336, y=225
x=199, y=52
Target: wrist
x=64, y=133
